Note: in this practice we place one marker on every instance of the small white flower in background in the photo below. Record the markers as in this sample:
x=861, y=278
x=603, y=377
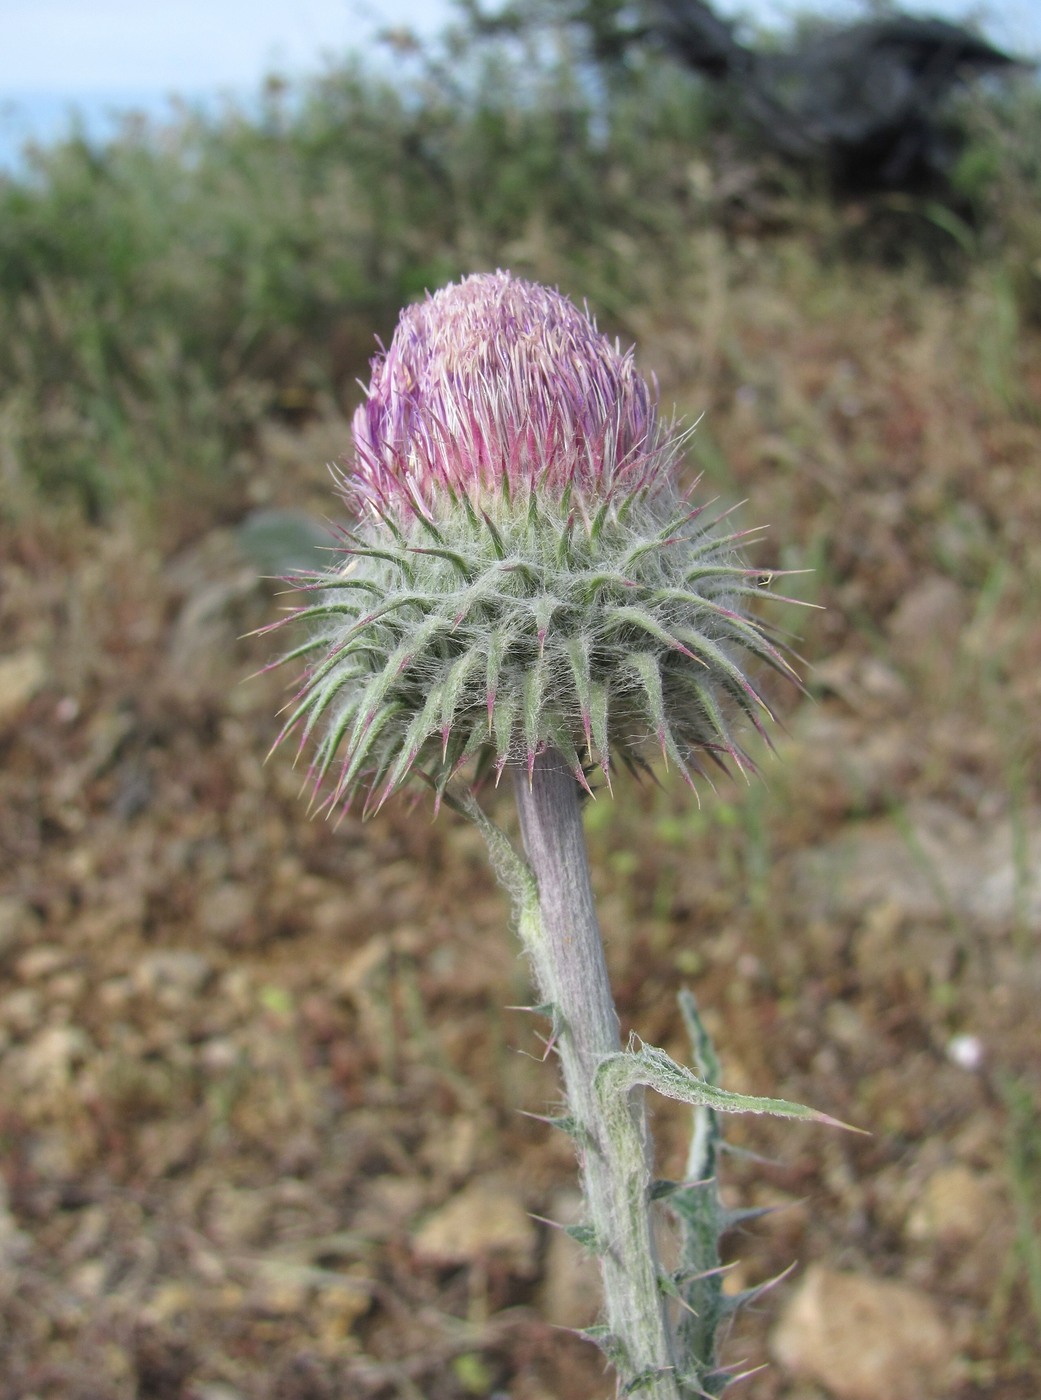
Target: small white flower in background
x=965, y=1051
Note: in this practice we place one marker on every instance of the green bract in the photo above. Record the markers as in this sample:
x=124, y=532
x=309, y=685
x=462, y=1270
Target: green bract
x=493, y=638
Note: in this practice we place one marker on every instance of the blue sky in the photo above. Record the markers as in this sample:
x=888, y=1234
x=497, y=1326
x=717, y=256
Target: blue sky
x=105, y=54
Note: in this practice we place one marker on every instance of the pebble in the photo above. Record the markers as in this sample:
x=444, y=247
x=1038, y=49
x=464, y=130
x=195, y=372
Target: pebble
x=46, y=1064
x=41, y=962
x=927, y=620
x=483, y=1221
x=176, y=971
x=17, y=922
x=933, y=864
x=227, y=909
x=571, y=1291
x=864, y=1338
x=22, y=674
x=340, y=1304
x=21, y=1011
x=956, y=1206
x=388, y=1204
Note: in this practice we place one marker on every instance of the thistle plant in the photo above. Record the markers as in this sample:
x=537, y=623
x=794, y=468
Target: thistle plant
x=525, y=591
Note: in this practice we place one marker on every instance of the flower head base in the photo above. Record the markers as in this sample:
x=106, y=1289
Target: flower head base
x=524, y=574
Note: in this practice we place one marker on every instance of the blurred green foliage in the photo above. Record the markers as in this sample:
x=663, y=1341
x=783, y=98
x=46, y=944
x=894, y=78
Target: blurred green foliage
x=166, y=292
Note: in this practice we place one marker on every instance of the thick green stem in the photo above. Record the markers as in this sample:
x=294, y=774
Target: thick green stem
x=563, y=941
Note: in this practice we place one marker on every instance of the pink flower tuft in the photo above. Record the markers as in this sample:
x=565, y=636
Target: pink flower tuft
x=494, y=387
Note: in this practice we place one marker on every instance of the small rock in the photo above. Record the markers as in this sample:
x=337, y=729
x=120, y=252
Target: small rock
x=388, y=1204
x=571, y=1292
x=46, y=1064
x=170, y=1300
x=22, y=674
x=930, y=865
x=353, y=980
x=17, y=922
x=956, y=1206
x=21, y=1011
x=238, y=1217
x=172, y=970
x=339, y=1306
x=281, y=1292
x=89, y=1279
x=485, y=1220
x=452, y=1151
x=226, y=910
x=221, y=1054
x=41, y=962
x=864, y=1338
x=927, y=619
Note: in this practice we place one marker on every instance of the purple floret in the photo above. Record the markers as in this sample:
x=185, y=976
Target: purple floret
x=493, y=387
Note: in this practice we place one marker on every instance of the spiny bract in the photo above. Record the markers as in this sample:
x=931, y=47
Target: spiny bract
x=523, y=573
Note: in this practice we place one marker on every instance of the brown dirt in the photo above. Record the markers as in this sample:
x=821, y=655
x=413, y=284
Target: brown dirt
x=246, y=1058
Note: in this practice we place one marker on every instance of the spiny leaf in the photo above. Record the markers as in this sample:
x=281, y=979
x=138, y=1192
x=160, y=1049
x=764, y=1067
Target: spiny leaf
x=316, y=701
x=610, y=1344
x=361, y=746
x=497, y=541
x=506, y=708
x=543, y=609
x=598, y=718
x=332, y=583
x=732, y=1302
x=586, y=1236
x=596, y=528
x=458, y=562
x=497, y=648
x=564, y=1121
x=644, y=1379
x=419, y=730
x=645, y=666
x=454, y=683
x=645, y=622
x=561, y=738
x=534, y=694
x=670, y=1289
x=577, y=650
x=399, y=559
x=618, y=1074
x=588, y=585
x=705, y=647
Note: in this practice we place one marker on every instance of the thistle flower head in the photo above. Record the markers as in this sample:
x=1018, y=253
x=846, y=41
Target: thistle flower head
x=496, y=387
x=523, y=574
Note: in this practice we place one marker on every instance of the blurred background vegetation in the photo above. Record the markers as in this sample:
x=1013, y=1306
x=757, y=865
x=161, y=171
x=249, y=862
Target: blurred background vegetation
x=166, y=292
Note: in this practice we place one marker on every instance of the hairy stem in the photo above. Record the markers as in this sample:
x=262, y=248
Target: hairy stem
x=564, y=944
